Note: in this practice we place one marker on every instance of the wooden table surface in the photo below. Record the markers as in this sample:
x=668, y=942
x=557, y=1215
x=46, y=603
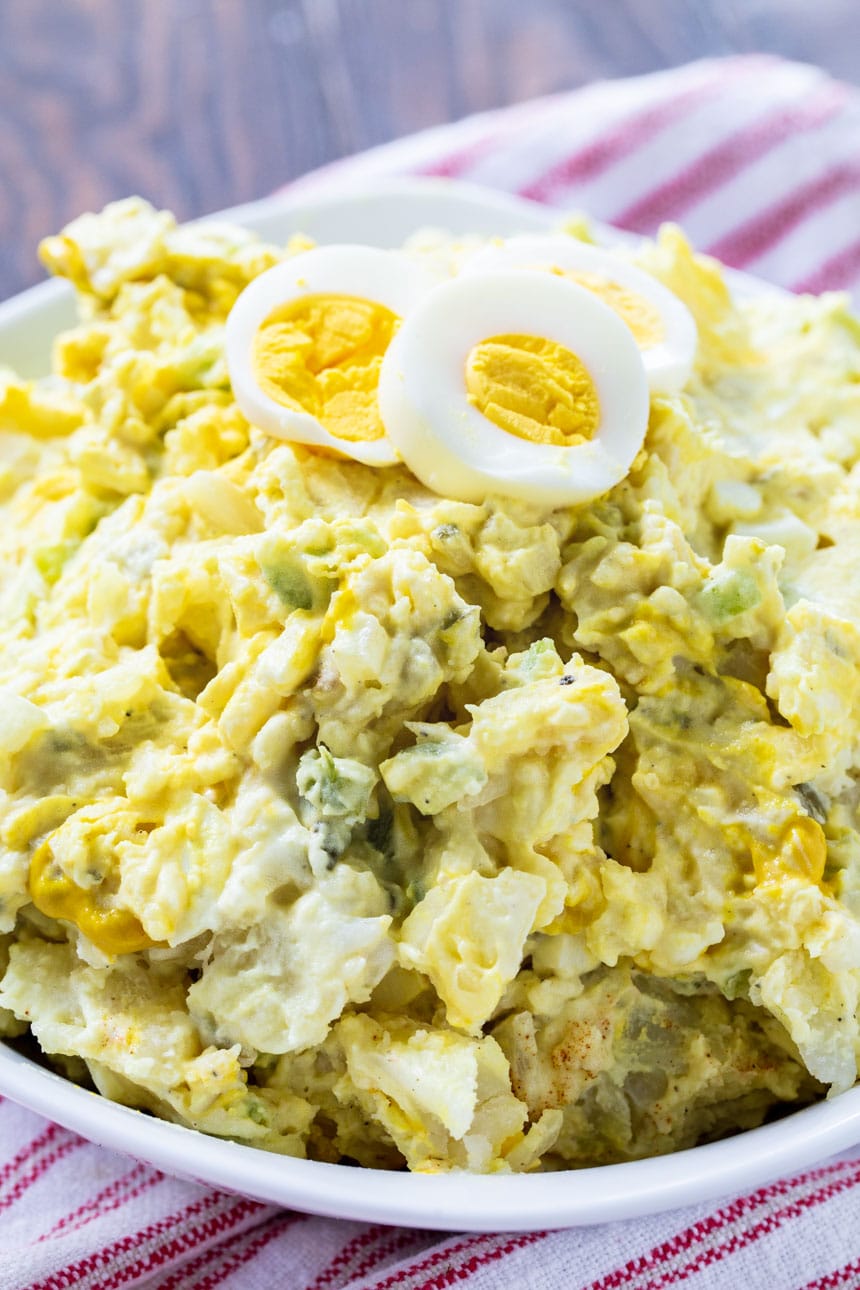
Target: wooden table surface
x=199, y=104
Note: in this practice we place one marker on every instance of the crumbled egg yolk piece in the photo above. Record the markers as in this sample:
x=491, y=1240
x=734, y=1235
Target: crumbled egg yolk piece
x=533, y=388
x=639, y=314
x=112, y=930
x=321, y=354
x=801, y=852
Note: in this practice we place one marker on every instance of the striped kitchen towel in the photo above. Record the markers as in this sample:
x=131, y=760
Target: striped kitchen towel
x=72, y=1214
x=758, y=159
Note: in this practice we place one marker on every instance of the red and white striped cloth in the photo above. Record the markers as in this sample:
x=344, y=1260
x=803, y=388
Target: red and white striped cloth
x=759, y=160
x=72, y=1214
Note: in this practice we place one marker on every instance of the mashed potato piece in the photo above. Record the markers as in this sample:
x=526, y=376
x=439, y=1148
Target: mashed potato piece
x=351, y=821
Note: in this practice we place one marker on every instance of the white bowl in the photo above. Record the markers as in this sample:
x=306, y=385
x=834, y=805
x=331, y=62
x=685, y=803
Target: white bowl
x=384, y=217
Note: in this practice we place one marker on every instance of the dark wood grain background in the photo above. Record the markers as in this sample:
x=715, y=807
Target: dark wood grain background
x=199, y=104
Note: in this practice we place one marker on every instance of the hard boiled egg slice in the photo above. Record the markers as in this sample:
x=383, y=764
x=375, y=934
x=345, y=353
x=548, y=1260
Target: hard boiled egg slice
x=662, y=325
x=305, y=341
x=523, y=384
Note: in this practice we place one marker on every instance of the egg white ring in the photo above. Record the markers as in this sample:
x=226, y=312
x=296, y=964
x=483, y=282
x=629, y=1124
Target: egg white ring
x=449, y=444
x=669, y=362
x=389, y=278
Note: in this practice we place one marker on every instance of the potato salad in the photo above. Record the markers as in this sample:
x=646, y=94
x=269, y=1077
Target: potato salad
x=430, y=694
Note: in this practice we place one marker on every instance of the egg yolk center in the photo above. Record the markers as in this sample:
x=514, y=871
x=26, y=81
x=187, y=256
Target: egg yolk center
x=321, y=354
x=639, y=314
x=533, y=388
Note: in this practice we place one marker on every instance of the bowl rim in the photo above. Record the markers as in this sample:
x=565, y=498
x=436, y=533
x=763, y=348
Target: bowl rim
x=445, y=1201
x=455, y=1201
